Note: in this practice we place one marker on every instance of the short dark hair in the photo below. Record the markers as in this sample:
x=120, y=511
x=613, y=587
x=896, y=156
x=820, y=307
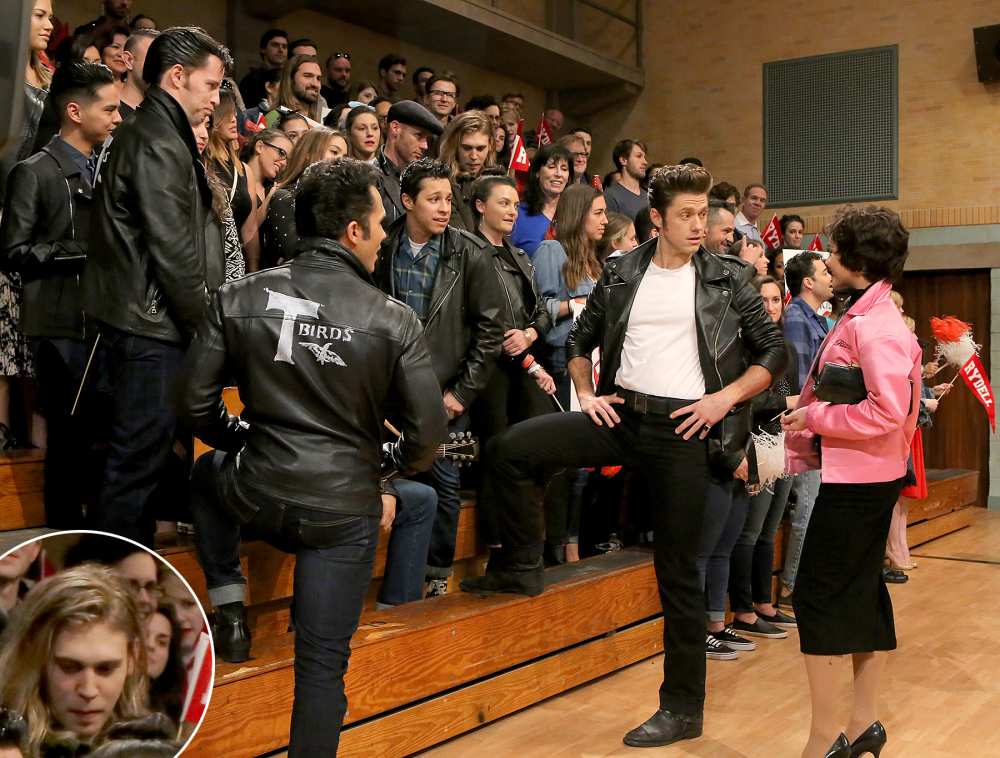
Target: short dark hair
x=755, y=185
x=187, y=46
x=798, y=268
x=331, y=194
x=584, y=129
x=692, y=161
x=481, y=103
x=669, y=181
x=623, y=150
x=302, y=42
x=715, y=205
x=104, y=549
x=483, y=187
x=870, y=240
x=78, y=81
x=270, y=34
x=533, y=197
x=789, y=218
x=379, y=100
x=510, y=95
x=723, y=191
x=134, y=23
x=390, y=60
x=139, y=34
x=643, y=225
x=419, y=71
x=288, y=116
x=445, y=77
x=418, y=171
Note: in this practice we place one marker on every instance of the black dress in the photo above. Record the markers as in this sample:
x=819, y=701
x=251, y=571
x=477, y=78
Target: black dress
x=279, y=236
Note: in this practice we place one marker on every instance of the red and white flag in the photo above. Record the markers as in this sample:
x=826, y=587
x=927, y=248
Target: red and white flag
x=519, y=155
x=772, y=233
x=816, y=245
x=199, y=680
x=544, y=132
x=956, y=346
x=595, y=182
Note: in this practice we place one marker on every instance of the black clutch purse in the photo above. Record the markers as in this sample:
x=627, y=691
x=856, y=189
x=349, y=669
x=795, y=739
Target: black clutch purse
x=841, y=385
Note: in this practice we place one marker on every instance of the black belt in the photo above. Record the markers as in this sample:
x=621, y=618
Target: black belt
x=651, y=404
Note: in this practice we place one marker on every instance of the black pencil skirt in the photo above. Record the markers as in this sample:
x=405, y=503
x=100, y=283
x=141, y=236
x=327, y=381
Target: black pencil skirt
x=841, y=602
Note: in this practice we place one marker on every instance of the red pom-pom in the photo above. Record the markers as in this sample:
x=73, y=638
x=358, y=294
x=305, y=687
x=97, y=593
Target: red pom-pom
x=949, y=328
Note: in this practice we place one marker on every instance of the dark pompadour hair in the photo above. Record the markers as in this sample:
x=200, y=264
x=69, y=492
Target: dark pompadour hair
x=870, y=240
x=187, y=46
x=76, y=81
x=390, y=60
x=416, y=172
x=670, y=181
x=798, y=268
x=270, y=34
x=331, y=194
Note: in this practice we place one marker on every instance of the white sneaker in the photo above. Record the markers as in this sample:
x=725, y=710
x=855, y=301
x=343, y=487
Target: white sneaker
x=436, y=588
x=718, y=651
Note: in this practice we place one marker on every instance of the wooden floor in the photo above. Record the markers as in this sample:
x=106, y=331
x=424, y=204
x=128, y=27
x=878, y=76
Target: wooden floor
x=941, y=699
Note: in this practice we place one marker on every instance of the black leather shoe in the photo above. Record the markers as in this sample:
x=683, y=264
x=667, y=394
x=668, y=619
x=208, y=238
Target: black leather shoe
x=894, y=576
x=516, y=578
x=231, y=632
x=872, y=740
x=664, y=728
x=839, y=749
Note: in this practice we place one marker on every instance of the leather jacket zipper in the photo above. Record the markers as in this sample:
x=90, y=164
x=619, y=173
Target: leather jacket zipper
x=441, y=301
x=510, y=303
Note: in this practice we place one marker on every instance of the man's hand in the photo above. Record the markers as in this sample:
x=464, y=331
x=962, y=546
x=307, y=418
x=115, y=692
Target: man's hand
x=388, y=510
x=600, y=410
x=931, y=369
x=940, y=390
x=704, y=414
x=452, y=407
x=742, y=471
x=545, y=381
x=516, y=341
x=795, y=421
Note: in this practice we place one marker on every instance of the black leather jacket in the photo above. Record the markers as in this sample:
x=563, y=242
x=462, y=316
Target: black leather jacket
x=516, y=313
x=463, y=325
x=389, y=189
x=734, y=333
x=154, y=257
x=43, y=236
x=318, y=354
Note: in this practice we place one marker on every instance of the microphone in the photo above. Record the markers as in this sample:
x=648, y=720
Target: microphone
x=529, y=364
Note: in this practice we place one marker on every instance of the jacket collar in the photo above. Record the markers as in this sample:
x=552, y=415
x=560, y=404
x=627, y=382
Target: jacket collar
x=325, y=251
x=708, y=266
x=59, y=151
x=876, y=294
x=158, y=101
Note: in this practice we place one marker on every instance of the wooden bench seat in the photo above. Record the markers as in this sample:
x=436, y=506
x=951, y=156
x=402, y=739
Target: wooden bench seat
x=947, y=507
x=21, y=489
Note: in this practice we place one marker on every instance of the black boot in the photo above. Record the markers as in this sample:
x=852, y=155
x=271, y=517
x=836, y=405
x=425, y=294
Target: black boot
x=231, y=632
x=518, y=571
x=664, y=728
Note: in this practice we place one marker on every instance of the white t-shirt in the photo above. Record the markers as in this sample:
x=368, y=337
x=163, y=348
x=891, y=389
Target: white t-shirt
x=660, y=354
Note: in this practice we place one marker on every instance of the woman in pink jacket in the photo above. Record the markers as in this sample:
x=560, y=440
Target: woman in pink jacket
x=861, y=447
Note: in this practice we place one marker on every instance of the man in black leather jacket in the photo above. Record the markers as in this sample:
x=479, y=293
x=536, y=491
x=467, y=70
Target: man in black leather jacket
x=684, y=344
x=44, y=239
x=152, y=262
x=446, y=275
x=319, y=354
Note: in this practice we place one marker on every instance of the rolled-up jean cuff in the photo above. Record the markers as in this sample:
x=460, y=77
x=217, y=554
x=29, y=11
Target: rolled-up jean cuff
x=716, y=616
x=229, y=593
x=437, y=572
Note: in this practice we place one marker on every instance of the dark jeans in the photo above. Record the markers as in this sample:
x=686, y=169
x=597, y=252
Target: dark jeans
x=408, y=544
x=143, y=376
x=752, y=565
x=334, y=554
x=74, y=458
x=445, y=478
x=725, y=513
x=564, y=494
x=677, y=471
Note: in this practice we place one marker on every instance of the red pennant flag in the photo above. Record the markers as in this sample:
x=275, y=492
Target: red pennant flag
x=772, y=234
x=199, y=680
x=544, y=132
x=816, y=244
x=974, y=374
x=595, y=182
x=519, y=155
x=520, y=126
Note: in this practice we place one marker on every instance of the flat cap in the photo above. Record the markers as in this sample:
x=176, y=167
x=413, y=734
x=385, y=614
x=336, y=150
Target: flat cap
x=414, y=114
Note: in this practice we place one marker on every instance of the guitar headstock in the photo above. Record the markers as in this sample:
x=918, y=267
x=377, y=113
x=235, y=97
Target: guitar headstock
x=462, y=448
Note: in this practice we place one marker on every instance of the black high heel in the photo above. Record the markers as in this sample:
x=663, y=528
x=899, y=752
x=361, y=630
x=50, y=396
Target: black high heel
x=840, y=749
x=872, y=740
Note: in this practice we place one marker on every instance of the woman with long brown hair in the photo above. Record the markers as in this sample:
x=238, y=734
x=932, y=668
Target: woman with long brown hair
x=279, y=231
x=566, y=270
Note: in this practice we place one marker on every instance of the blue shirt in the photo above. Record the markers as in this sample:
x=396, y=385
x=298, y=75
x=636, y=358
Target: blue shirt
x=414, y=275
x=806, y=330
x=549, y=261
x=529, y=231
x=81, y=161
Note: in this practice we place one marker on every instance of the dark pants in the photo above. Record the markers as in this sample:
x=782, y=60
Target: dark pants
x=752, y=565
x=725, y=514
x=143, y=376
x=677, y=471
x=445, y=478
x=406, y=556
x=74, y=459
x=334, y=554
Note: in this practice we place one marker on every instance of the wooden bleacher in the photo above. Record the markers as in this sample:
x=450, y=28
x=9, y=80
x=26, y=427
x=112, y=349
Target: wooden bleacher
x=948, y=507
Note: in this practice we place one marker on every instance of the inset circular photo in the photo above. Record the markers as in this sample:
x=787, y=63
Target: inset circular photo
x=104, y=650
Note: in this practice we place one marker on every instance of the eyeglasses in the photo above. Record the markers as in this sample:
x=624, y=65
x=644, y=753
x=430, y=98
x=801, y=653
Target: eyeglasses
x=282, y=153
x=340, y=55
x=443, y=93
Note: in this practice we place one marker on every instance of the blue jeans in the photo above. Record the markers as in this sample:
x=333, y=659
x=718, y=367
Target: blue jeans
x=445, y=478
x=408, y=543
x=334, y=554
x=726, y=504
x=807, y=490
x=752, y=564
x=143, y=376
